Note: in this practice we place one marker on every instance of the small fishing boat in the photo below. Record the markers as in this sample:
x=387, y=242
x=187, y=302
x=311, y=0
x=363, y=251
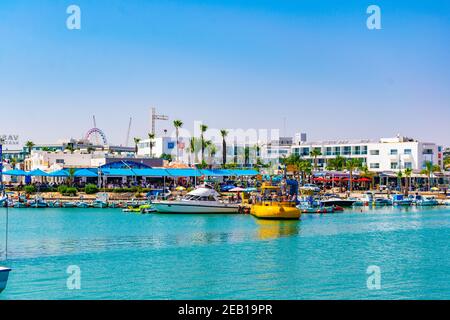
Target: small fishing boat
x=69, y=204
x=38, y=202
x=101, y=201
x=273, y=206
x=19, y=204
x=320, y=210
x=201, y=200
x=55, y=204
x=365, y=200
x=82, y=205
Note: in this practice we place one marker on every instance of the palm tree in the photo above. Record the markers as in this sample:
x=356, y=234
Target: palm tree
x=305, y=167
x=192, y=149
x=351, y=165
x=366, y=173
x=429, y=169
x=337, y=163
x=400, y=179
x=315, y=153
x=203, y=129
x=224, y=134
x=29, y=145
x=151, y=137
x=212, y=153
x=177, y=124
x=407, y=172
x=71, y=176
x=136, y=142
x=246, y=155
x=70, y=148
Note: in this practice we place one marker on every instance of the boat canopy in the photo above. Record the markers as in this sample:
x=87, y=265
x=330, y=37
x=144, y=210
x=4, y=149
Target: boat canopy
x=203, y=192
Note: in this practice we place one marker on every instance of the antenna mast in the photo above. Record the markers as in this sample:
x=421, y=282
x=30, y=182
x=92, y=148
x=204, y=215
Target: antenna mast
x=156, y=117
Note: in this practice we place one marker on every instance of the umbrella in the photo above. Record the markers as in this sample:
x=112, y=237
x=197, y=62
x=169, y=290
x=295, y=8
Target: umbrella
x=250, y=190
x=364, y=180
x=237, y=189
x=180, y=188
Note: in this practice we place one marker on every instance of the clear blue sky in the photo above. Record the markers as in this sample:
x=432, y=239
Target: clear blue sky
x=230, y=63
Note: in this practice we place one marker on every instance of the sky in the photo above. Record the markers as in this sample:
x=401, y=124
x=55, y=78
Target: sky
x=301, y=66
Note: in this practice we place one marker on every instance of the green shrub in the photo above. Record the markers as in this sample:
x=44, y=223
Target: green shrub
x=90, y=189
x=71, y=192
x=62, y=189
x=30, y=189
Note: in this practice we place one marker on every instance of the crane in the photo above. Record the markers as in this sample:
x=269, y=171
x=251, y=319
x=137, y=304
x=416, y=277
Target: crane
x=156, y=117
x=127, y=141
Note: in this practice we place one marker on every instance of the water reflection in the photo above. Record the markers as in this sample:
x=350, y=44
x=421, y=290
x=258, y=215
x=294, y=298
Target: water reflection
x=272, y=229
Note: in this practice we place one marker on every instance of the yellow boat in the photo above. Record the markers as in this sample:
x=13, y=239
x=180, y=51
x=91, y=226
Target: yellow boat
x=274, y=207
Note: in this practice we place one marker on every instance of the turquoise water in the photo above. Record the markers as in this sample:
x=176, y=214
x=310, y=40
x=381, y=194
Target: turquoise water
x=128, y=256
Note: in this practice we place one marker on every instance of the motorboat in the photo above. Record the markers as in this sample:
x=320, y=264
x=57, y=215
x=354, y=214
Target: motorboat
x=365, y=200
x=336, y=201
x=82, y=205
x=382, y=202
x=313, y=209
x=4, y=274
x=69, y=204
x=200, y=200
x=400, y=200
x=424, y=201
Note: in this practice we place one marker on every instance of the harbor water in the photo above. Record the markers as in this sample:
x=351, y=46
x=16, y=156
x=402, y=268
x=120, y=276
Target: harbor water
x=130, y=256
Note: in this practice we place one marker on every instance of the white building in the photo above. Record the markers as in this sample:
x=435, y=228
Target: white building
x=387, y=154
x=164, y=145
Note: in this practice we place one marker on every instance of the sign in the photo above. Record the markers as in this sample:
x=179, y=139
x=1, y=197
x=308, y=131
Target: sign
x=171, y=145
x=10, y=139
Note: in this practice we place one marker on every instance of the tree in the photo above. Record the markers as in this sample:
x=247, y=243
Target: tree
x=212, y=149
x=136, y=142
x=315, y=153
x=224, y=134
x=366, y=173
x=351, y=165
x=71, y=177
x=29, y=145
x=203, y=129
x=70, y=148
x=305, y=168
x=151, y=144
x=337, y=163
x=246, y=155
x=407, y=172
x=447, y=162
x=400, y=179
x=192, y=149
x=429, y=169
x=177, y=124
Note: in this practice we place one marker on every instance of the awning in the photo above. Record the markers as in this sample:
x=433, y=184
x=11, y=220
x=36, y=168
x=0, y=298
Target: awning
x=15, y=172
x=37, y=173
x=184, y=172
x=85, y=173
x=59, y=173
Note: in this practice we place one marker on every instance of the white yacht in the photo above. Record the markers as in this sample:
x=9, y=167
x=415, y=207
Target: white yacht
x=4, y=273
x=200, y=200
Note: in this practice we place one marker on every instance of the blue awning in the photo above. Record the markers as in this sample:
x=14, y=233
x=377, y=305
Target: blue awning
x=117, y=172
x=15, y=172
x=184, y=172
x=245, y=172
x=150, y=172
x=85, y=173
x=59, y=173
x=37, y=173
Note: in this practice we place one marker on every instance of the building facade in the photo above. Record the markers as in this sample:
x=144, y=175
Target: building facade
x=387, y=154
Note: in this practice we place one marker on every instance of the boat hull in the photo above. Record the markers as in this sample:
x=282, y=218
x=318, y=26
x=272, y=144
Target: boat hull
x=4, y=274
x=179, y=207
x=340, y=203
x=275, y=212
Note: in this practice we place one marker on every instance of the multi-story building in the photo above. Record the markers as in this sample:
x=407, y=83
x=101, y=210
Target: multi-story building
x=387, y=154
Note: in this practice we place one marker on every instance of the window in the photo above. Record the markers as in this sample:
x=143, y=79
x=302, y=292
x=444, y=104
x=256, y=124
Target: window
x=374, y=152
x=60, y=161
x=347, y=150
x=374, y=166
x=427, y=151
x=364, y=150
x=357, y=150
x=328, y=151
x=394, y=165
x=408, y=151
x=394, y=152
x=408, y=165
